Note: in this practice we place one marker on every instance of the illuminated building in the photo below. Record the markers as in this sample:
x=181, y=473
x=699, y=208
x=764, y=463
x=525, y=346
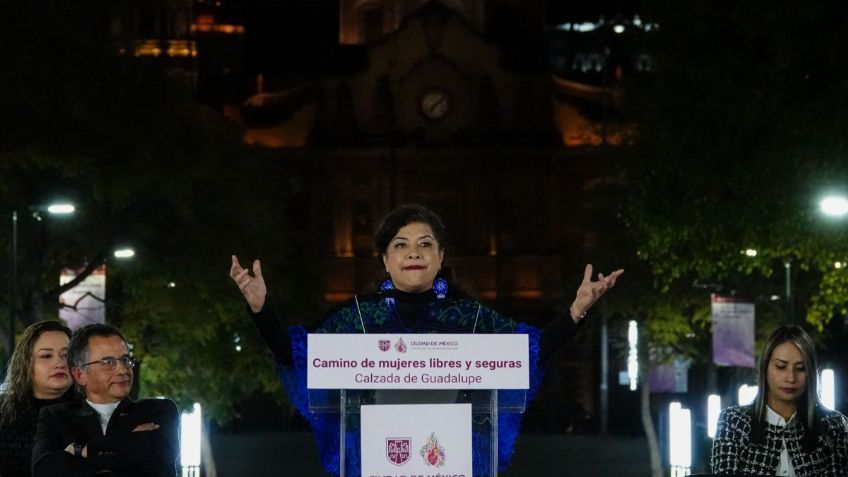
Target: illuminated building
x=443, y=104
x=197, y=41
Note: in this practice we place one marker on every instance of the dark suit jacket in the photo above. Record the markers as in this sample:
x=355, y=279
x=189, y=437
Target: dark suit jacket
x=120, y=452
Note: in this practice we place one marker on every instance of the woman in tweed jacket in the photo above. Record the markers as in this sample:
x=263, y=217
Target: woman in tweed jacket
x=786, y=431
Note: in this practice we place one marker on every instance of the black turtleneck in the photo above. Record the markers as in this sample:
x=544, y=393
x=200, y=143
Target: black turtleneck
x=17, y=437
x=411, y=306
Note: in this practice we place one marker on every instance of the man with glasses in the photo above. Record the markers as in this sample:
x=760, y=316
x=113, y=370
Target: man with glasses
x=109, y=433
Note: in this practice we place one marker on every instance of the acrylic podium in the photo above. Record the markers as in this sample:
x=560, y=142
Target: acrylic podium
x=504, y=401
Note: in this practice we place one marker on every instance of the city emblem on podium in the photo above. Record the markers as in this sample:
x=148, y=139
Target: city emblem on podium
x=384, y=345
x=400, y=346
x=432, y=452
x=397, y=450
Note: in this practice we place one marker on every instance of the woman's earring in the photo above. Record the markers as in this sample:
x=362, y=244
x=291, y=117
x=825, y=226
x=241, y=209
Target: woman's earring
x=386, y=286
x=440, y=286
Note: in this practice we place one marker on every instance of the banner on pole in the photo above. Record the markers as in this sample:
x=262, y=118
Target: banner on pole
x=670, y=377
x=733, y=331
x=85, y=303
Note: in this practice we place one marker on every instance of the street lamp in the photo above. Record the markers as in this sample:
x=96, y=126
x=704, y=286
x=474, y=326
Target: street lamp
x=125, y=252
x=834, y=205
x=61, y=209
x=54, y=209
x=831, y=205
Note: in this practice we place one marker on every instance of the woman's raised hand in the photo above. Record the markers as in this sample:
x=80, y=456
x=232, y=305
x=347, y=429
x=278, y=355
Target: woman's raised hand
x=251, y=286
x=590, y=291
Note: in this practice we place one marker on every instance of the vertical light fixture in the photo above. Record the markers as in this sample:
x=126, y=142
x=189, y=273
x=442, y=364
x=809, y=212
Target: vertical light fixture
x=633, y=355
x=190, y=438
x=828, y=389
x=679, y=440
x=54, y=209
x=713, y=410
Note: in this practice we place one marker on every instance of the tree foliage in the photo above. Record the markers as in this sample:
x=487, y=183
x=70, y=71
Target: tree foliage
x=150, y=168
x=741, y=132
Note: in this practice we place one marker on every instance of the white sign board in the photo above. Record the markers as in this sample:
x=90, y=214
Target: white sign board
x=416, y=440
x=417, y=361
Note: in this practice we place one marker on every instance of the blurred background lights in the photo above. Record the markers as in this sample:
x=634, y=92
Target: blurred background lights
x=747, y=394
x=827, y=389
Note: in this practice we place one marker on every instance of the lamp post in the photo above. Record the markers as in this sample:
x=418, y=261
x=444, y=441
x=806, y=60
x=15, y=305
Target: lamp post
x=13, y=285
x=53, y=209
x=790, y=306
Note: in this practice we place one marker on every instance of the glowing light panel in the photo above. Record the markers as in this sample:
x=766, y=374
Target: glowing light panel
x=679, y=439
x=747, y=394
x=713, y=410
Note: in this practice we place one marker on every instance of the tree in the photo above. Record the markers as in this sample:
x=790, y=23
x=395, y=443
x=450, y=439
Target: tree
x=149, y=167
x=740, y=134
x=740, y=131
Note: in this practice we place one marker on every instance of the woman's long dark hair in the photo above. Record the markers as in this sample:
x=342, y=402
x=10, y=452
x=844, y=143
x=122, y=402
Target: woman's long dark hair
x=806, y=406
x=17, y=387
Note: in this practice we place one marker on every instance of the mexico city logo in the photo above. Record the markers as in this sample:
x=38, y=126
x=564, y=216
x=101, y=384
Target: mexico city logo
x=397, y=450
x=400, y=346
x=432, y=452
x=384, y=345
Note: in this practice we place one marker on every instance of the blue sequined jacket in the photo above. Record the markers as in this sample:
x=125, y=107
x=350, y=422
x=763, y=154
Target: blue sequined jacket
x=449, y=315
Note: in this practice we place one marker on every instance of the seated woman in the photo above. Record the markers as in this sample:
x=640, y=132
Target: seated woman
x=38, y=376
x=786, y=431
x=411, y=244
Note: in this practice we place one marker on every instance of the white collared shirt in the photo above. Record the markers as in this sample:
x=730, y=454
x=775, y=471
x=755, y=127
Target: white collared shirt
x=105, y=411
x=785, y=465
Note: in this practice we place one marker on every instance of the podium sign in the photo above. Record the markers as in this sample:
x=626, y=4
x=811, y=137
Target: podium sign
x=416, y=440
x=416, y=400
x=417, y=361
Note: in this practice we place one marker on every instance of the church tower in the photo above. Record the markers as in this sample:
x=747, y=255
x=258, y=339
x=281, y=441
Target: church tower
x=363, y=22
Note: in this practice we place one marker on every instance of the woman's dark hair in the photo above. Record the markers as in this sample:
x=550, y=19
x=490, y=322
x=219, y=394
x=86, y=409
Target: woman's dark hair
x=17, y=387
x=806, y=404
x=405, y=215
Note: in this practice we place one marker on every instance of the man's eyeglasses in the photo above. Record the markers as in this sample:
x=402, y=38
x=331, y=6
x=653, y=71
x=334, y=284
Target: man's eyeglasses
x=112, y=363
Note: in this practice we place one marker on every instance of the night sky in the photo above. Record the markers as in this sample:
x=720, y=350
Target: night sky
x=299, y=36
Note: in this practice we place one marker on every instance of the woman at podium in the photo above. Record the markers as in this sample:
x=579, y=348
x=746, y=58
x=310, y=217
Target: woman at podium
x=416, y=297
